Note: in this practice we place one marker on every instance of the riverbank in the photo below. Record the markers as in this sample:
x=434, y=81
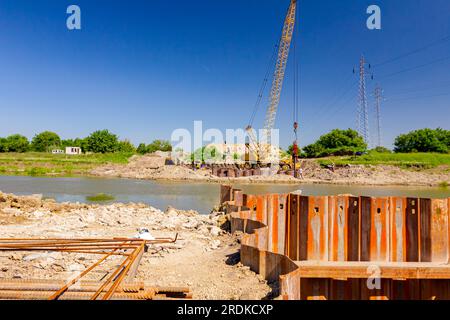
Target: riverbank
x=151, y=168
x=204, y=258
x=56, y=165
x=371, y=170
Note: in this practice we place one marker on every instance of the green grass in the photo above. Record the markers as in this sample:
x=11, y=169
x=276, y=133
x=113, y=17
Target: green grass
x=404, y=160
x=443, y=184
x=101, y=197
x=47, y=164
x=62, y=158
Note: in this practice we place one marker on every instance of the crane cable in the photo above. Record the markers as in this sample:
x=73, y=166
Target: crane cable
x=263, y=85
x=295, y=93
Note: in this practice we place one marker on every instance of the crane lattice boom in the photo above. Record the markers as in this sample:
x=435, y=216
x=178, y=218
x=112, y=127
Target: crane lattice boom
x=262, y=148
x=283, y=53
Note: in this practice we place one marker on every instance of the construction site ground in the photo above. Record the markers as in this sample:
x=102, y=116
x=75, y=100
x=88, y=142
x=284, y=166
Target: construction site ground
x=204, y=258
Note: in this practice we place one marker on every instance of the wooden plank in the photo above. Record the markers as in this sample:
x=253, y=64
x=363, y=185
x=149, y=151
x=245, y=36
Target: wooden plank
x=366, y=223
x=353, y=228
x=303, y=227
x=397, y=210
x=412, y=229
x=425, y=230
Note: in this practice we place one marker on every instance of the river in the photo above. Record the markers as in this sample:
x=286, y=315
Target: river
x=183, y=195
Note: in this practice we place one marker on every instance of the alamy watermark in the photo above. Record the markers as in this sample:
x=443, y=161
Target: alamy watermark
x=213, y=146
x=73, y=22
x=374, y=20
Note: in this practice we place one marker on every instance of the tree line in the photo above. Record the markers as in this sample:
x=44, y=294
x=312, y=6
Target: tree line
x=100, y=141
x=348, y=142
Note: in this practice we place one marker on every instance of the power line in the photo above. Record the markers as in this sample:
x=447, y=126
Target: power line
x=339, y=94
x=334, y=107
x=421, y=97
x=415, y=67
x=416, y=89
x=407, y=54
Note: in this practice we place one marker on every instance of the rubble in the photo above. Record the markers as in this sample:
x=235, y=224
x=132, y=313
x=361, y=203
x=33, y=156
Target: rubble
x=199, y=255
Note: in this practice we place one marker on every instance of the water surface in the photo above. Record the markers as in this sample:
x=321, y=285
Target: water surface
x=183, y=195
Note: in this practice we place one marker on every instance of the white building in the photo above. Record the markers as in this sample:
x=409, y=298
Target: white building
x=73, y=150
x=57, y=151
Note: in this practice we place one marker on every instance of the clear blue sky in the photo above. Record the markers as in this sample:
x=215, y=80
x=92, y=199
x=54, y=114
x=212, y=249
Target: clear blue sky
x=144, y=68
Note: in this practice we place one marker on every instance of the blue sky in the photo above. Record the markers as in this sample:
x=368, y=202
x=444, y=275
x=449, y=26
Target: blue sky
x=144, y=68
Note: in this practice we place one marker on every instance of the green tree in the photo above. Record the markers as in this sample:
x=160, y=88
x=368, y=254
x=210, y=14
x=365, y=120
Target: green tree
x=336, y=142
x=43, y=141
x=17, y=143
x=68, y=143
x=423, y=140
x=159, y=145
x=82, y=143
x=206, y=154
x=126, y=146
x=381, y=149
x=3, y=145
x=102, y=141
x=142, y=148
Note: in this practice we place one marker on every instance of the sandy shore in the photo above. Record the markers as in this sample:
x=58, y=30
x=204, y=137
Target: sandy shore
x=205, y=258
x=153, y=168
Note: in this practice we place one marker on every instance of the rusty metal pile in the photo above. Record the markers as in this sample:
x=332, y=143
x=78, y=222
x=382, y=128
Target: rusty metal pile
x=333, y=247
x=232, y=171
x=118, y=284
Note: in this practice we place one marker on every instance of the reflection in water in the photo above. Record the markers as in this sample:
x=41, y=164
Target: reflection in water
x=184, y=195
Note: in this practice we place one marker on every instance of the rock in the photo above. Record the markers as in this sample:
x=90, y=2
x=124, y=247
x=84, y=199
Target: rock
x=76, y=267
x=34, y=256
x=215, y=231
x=214, y=244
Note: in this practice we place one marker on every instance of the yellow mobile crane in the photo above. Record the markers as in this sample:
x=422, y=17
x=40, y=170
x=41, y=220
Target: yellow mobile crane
x=263, y=148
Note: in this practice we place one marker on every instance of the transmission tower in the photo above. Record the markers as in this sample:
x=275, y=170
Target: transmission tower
x=362, y=123
x=378, y=99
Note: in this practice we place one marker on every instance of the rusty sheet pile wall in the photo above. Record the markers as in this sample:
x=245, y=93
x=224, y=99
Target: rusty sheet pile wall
x=345, y=247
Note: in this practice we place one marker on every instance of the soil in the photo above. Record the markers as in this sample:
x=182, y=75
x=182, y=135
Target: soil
x=204, y=258
x=153, y=168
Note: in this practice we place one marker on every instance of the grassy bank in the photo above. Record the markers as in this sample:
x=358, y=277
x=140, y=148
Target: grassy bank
x=47, y=164
x=403, y=160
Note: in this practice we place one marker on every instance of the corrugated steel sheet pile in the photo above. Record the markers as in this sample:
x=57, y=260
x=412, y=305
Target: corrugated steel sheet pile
x=345, y=247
